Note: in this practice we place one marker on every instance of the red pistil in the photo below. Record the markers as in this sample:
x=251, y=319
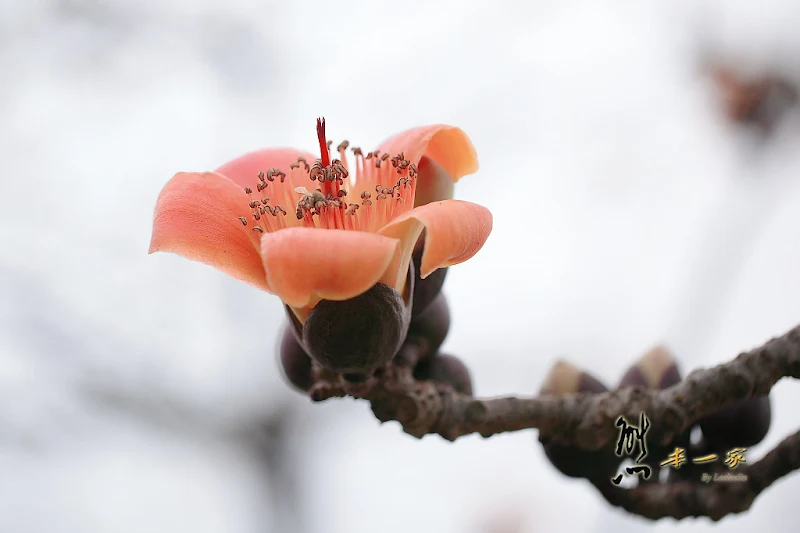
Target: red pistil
x=323, y=143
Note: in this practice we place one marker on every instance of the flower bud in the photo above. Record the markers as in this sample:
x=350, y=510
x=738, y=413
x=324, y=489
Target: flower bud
x=741, y=424
x=358, y=335
x=448, y=369
x=434, y=183
x=295, y=362
x=565, y=379
x=427, y=331
x=656, y=369
x=425, y=290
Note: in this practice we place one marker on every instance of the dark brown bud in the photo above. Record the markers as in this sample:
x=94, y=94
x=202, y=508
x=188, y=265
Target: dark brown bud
x=427, y=332
x=565, y=379
x=358, y=335
x=742, y=424
x=448, y=369
x=295, y=362
x=433, y=183
x=425, y=290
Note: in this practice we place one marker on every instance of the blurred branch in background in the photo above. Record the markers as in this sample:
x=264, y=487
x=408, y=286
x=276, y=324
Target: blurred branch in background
x=757, y=101
x=263, y=436
x=267, y=440
x=505, y=520
x=272, y=442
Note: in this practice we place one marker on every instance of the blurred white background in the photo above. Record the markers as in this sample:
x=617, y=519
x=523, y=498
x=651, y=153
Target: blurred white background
x=141, y=393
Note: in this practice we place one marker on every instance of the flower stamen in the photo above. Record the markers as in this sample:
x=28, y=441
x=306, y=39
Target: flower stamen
x=328, y=206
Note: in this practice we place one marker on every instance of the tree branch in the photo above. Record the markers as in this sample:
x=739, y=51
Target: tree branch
x=587, y=421
x=682, y=499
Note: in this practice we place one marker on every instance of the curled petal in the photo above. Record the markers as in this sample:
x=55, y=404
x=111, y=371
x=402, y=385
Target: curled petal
x=454, y=231
x=447, y=145
x=244, y=169
x=196, y=216
x=304, y=265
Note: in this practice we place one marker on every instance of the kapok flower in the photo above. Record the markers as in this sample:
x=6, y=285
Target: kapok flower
x=309, y=229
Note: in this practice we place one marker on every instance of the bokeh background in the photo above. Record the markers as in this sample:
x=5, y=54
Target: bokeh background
x=141, y=393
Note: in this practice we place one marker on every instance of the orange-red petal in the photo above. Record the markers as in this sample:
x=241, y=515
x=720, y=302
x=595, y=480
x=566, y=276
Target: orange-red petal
x=196, y=216
x=454, y=231
x=304, y=265
x=244, y=169
x=447, y=145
